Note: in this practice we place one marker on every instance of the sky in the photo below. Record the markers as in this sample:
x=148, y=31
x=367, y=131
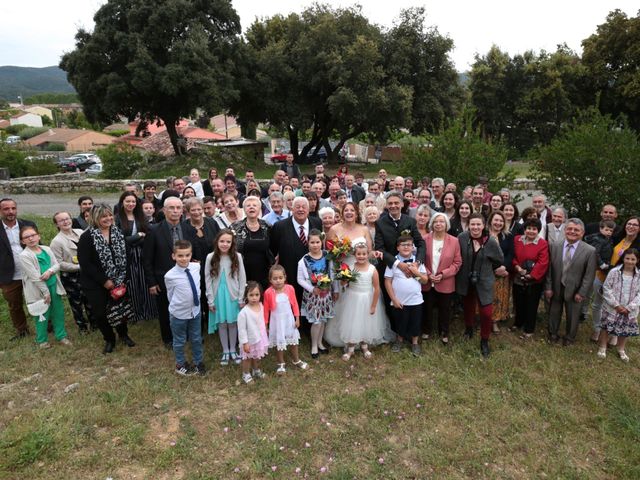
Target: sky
x=35, y=33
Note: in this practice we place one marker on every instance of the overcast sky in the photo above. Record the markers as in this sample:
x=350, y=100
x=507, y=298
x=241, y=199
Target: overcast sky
x=35, y=33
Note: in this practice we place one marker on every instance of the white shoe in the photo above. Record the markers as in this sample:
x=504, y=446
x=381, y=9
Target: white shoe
x=66, y=341
x=602, y=352
x=44, y=345
x=623, y=356
x=247, y=378
x=282, y=369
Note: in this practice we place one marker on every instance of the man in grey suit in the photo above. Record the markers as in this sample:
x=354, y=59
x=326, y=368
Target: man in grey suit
x=572, y=267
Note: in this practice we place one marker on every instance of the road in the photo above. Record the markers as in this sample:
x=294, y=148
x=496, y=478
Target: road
x=48, y=203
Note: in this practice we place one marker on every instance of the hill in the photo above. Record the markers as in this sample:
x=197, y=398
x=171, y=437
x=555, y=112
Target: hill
x=27, y=81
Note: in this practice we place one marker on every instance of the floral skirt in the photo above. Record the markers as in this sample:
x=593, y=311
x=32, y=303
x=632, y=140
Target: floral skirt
x=317, y=309
x=501, y=297
x=619, y=325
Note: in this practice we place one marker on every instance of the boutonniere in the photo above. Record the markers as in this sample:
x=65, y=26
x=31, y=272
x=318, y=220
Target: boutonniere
x=405, y=232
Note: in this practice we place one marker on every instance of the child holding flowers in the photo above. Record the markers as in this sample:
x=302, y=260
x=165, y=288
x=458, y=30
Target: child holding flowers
x=315, y=276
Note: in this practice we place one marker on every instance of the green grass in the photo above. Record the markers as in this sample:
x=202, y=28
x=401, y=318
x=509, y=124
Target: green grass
x=531, y=411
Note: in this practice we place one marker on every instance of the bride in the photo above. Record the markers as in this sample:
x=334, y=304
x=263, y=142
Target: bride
x=351, y=229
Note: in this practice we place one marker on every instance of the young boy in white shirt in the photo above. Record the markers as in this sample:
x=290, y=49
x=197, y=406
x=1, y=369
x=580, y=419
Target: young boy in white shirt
x=183, y=292
x=406, y=295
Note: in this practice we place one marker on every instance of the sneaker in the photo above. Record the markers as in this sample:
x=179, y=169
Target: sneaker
x=66, y=341
x=44, y=345
x=416, y=350
x=396, y=347
x=224, y=361
x=235, y=358
x=602, y=352
x=247, y=378
x=258, y=374
x=183, y=370
x=200, y=369
x=623, y=356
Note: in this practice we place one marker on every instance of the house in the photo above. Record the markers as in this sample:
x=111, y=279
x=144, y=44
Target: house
x=39, y=110
x=72, y=139
x=161, y=144
x=4, y=124
x=226, y=125
x=28, y=119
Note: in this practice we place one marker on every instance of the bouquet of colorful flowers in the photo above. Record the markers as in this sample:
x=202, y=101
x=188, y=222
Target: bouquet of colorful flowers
x=345, y=274
x=321, y=280
x=338, y=249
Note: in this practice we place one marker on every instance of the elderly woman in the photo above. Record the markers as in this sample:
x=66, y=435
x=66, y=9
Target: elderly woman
x=442, y=262
x=231, y=213
x=328, y=217
x=130, y=220
x=502, y=286
x=102, y=254
x=370, y=217
x=481, y=259
x=65, y=248
x=531, y=213
x=252, y=241
x=530, y=265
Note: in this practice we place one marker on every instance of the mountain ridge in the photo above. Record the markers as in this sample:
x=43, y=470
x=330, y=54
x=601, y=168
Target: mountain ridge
x=27, y=81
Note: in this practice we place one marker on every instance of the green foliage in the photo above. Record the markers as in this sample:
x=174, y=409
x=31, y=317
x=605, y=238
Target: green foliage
x=3, y=103
x=165, y=59
x=18, y=166
x=458, y=154
x=55, y=147
x=61, y=98
x=30, y=132
x=612, y=57
x=593, y=163
x=46, y=121
x=15, y=129
x=120, y=160
x=117, y=133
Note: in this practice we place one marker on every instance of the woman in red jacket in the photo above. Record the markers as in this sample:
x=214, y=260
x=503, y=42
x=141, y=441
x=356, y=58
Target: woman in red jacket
x=530, y=264
x=442, y=261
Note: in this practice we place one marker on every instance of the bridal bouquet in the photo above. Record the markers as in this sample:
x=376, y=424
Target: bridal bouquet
x=338, y=249
x=345, y=274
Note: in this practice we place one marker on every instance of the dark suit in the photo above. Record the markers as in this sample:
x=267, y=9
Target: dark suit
x=12, y=289
x=79, y=222
x=156, y=258
x=292, y=171
x=578, y=279
x=286, y=245
x=357, y=194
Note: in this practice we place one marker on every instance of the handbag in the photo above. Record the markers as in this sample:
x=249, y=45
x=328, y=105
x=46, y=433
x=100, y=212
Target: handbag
x=118, y=292
x=118, y=311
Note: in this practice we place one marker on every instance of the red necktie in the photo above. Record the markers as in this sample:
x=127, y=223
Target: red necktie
x=303, y=237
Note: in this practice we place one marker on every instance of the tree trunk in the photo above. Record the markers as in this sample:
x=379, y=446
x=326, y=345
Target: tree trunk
x=248, y=130
x=170, y=125
x=293, y=142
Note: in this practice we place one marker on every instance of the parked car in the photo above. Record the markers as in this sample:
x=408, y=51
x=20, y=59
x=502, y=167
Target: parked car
x=77, y=163
x=12, y=139
x=95, y=169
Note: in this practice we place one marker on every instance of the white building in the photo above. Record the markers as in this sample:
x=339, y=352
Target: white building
x=29, y=119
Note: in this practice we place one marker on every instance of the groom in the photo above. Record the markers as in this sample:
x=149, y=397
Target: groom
x=389, y=226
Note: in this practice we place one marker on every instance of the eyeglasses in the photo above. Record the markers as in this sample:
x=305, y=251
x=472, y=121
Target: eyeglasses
x=633, y=225
x=27, y=237
x=406, y=244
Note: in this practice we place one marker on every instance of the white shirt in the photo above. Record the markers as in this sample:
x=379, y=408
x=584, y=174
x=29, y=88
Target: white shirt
x=436, y=251
x=408, y=290
x=179, y=291
x=305, y=226
x=197, y=186
x=13, y=234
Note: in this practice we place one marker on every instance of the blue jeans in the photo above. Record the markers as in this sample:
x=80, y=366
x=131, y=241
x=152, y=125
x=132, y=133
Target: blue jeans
x=180, y=328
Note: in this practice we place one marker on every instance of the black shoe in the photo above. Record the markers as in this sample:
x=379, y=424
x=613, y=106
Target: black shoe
x=323, y=351
x=108, y=347
x=83, y=330
x=484, y=348
x=19, y=336
x=168, y=345
x=582, y=318
x=468, y=332
x=315, y=355
x=127, y=341
x=200, y=369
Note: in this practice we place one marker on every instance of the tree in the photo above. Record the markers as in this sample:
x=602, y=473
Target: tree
x=457, y=153
x=612, y=57
x=151, y=60
x=591, y=164
x=319, y=75
x=418, y=57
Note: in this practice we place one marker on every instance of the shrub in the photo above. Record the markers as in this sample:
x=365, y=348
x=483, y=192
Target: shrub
x=458, y=154
x=117, y=133
x=592, y=163
x=18, y=166
x=14, y=129
x=30, y=132
x=55, y=147
x=120, y=160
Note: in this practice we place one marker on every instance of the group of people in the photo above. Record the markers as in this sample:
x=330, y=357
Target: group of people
x=351, y=264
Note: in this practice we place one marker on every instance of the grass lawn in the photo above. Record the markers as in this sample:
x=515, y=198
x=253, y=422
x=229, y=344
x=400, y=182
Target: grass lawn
x=531, y=411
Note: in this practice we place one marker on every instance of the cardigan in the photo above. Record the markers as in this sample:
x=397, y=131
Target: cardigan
x=64, y=249
x=612, y=289
x=488, y=258
x=537, y=252
x=248, y=328
x=269, y=301
x=235, y=284
x=305, y=281
x=35, y=289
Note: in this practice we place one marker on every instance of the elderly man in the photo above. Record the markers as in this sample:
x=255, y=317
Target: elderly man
x=424, y=198
x=389, y=227
x=289, y=240
x=10, y=273
x=572, y=268
x=318, y=188
x=272, y=188
x=278, y=212
x=354, y=193
x=397, y=186
x=539, y=202
x=555, y=229
x=608, y=212
x=437, y=188
x=334, y=190
x=290, y=168
x=85, y=203
x=157, y=260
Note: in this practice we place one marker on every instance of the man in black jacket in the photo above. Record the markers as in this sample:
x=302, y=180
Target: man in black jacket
x=355, y=193
x=290, y=168
x=158, y=247
x=10, y=275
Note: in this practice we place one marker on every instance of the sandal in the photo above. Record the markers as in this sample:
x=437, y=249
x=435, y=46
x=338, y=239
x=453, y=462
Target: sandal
x=281, y=369
x=301, y=365
x=347, y=355
x=445, y=341
x=623, y=356
x=366, y=353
